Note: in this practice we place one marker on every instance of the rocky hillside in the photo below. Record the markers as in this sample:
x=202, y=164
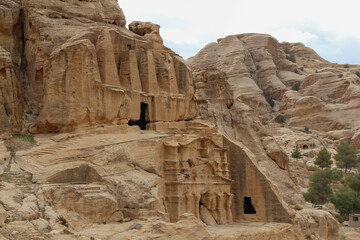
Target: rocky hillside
x=306, y=89
x=107, y=134
x=258, y=79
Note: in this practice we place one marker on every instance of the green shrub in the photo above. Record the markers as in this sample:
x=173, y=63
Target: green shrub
x=296, y=86
x=301, y=68
x=340, y=75
x=28, y=138
x=296, y=153
x=346, y=201
x=358, y=74
x=270, y=102
x=306, y=130
x=258, y=67
x=353, y=181
x=291, y=57
x=346, y=66
x=296, y=71
x=311, y=168
x=280, y=119
x=341, y=219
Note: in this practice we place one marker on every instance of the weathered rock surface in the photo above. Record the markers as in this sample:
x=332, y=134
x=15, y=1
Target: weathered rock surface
x=275, y=152
x=84, y=64
x=235, y=117
x=256, y=79
x=72, y=75
x=317, y=224
x=255, y=67
x=250, y=63
x=355, y=140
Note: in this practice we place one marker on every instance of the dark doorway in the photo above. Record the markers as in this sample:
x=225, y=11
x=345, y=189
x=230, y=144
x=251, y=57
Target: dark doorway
x=248, y=207
x=142, y=121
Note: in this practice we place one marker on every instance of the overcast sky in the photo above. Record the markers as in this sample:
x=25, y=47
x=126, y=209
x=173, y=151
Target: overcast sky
x=330, y=27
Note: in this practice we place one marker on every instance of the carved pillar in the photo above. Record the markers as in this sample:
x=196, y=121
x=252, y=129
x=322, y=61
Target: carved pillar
x=220, y=209
x=173, y=207
x=196, y=204
x=228, y=207
x=189, y=202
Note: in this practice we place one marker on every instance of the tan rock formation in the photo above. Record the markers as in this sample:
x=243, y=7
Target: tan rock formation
x=148, y=30
x=91, y=70
x=93, y=203
x=355, y=140
x=235, y=117
x=253, y=190
x=317, y=224
x=275, y=152
x=71, y=71
x=3, y=215
x=301, y=50
x=248, y=70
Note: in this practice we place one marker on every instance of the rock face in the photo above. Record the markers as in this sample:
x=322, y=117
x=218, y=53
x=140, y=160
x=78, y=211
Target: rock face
x=237, y=118
x=310, y=91
x=275, y=152
x=90, y=70
x=115, y=151
x=253, y=191
x=251, y=63
x=257, y=79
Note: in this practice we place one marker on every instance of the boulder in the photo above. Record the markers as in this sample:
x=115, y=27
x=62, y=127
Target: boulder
x=275, y=152
x=206, y=216
x=355, y=140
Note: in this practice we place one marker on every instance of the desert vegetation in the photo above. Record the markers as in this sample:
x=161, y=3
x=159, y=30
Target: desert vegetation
x=345, y=198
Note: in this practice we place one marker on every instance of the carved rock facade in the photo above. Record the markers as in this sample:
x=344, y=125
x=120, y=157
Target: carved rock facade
x=197, y=175
x=87, y=71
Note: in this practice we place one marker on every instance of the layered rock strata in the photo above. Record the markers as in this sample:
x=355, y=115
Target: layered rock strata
x=83, y=67
x=71, y=71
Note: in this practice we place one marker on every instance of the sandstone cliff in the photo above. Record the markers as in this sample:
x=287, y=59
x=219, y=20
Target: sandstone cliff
x=257, y=79
x=82, y=66
x=258, y=68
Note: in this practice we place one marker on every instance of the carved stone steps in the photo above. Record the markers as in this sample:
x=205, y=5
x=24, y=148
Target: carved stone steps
x=53, y=148
x=82, y=188
x=33, y=234
x=22, y=180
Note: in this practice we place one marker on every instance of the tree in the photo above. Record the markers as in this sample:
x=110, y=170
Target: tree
x=320, y=191
x=346, y=156
x=296, y=153
x=346, y=201
x=323, y=159
x=336, y=174
x=353, y=181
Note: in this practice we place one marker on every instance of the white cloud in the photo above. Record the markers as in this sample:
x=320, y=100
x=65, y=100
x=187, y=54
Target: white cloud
x=293, y=35
x=194, y=21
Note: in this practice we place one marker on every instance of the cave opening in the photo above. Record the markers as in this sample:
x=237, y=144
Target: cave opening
x=142, y=121
x=305, y=147
x=248, y=207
